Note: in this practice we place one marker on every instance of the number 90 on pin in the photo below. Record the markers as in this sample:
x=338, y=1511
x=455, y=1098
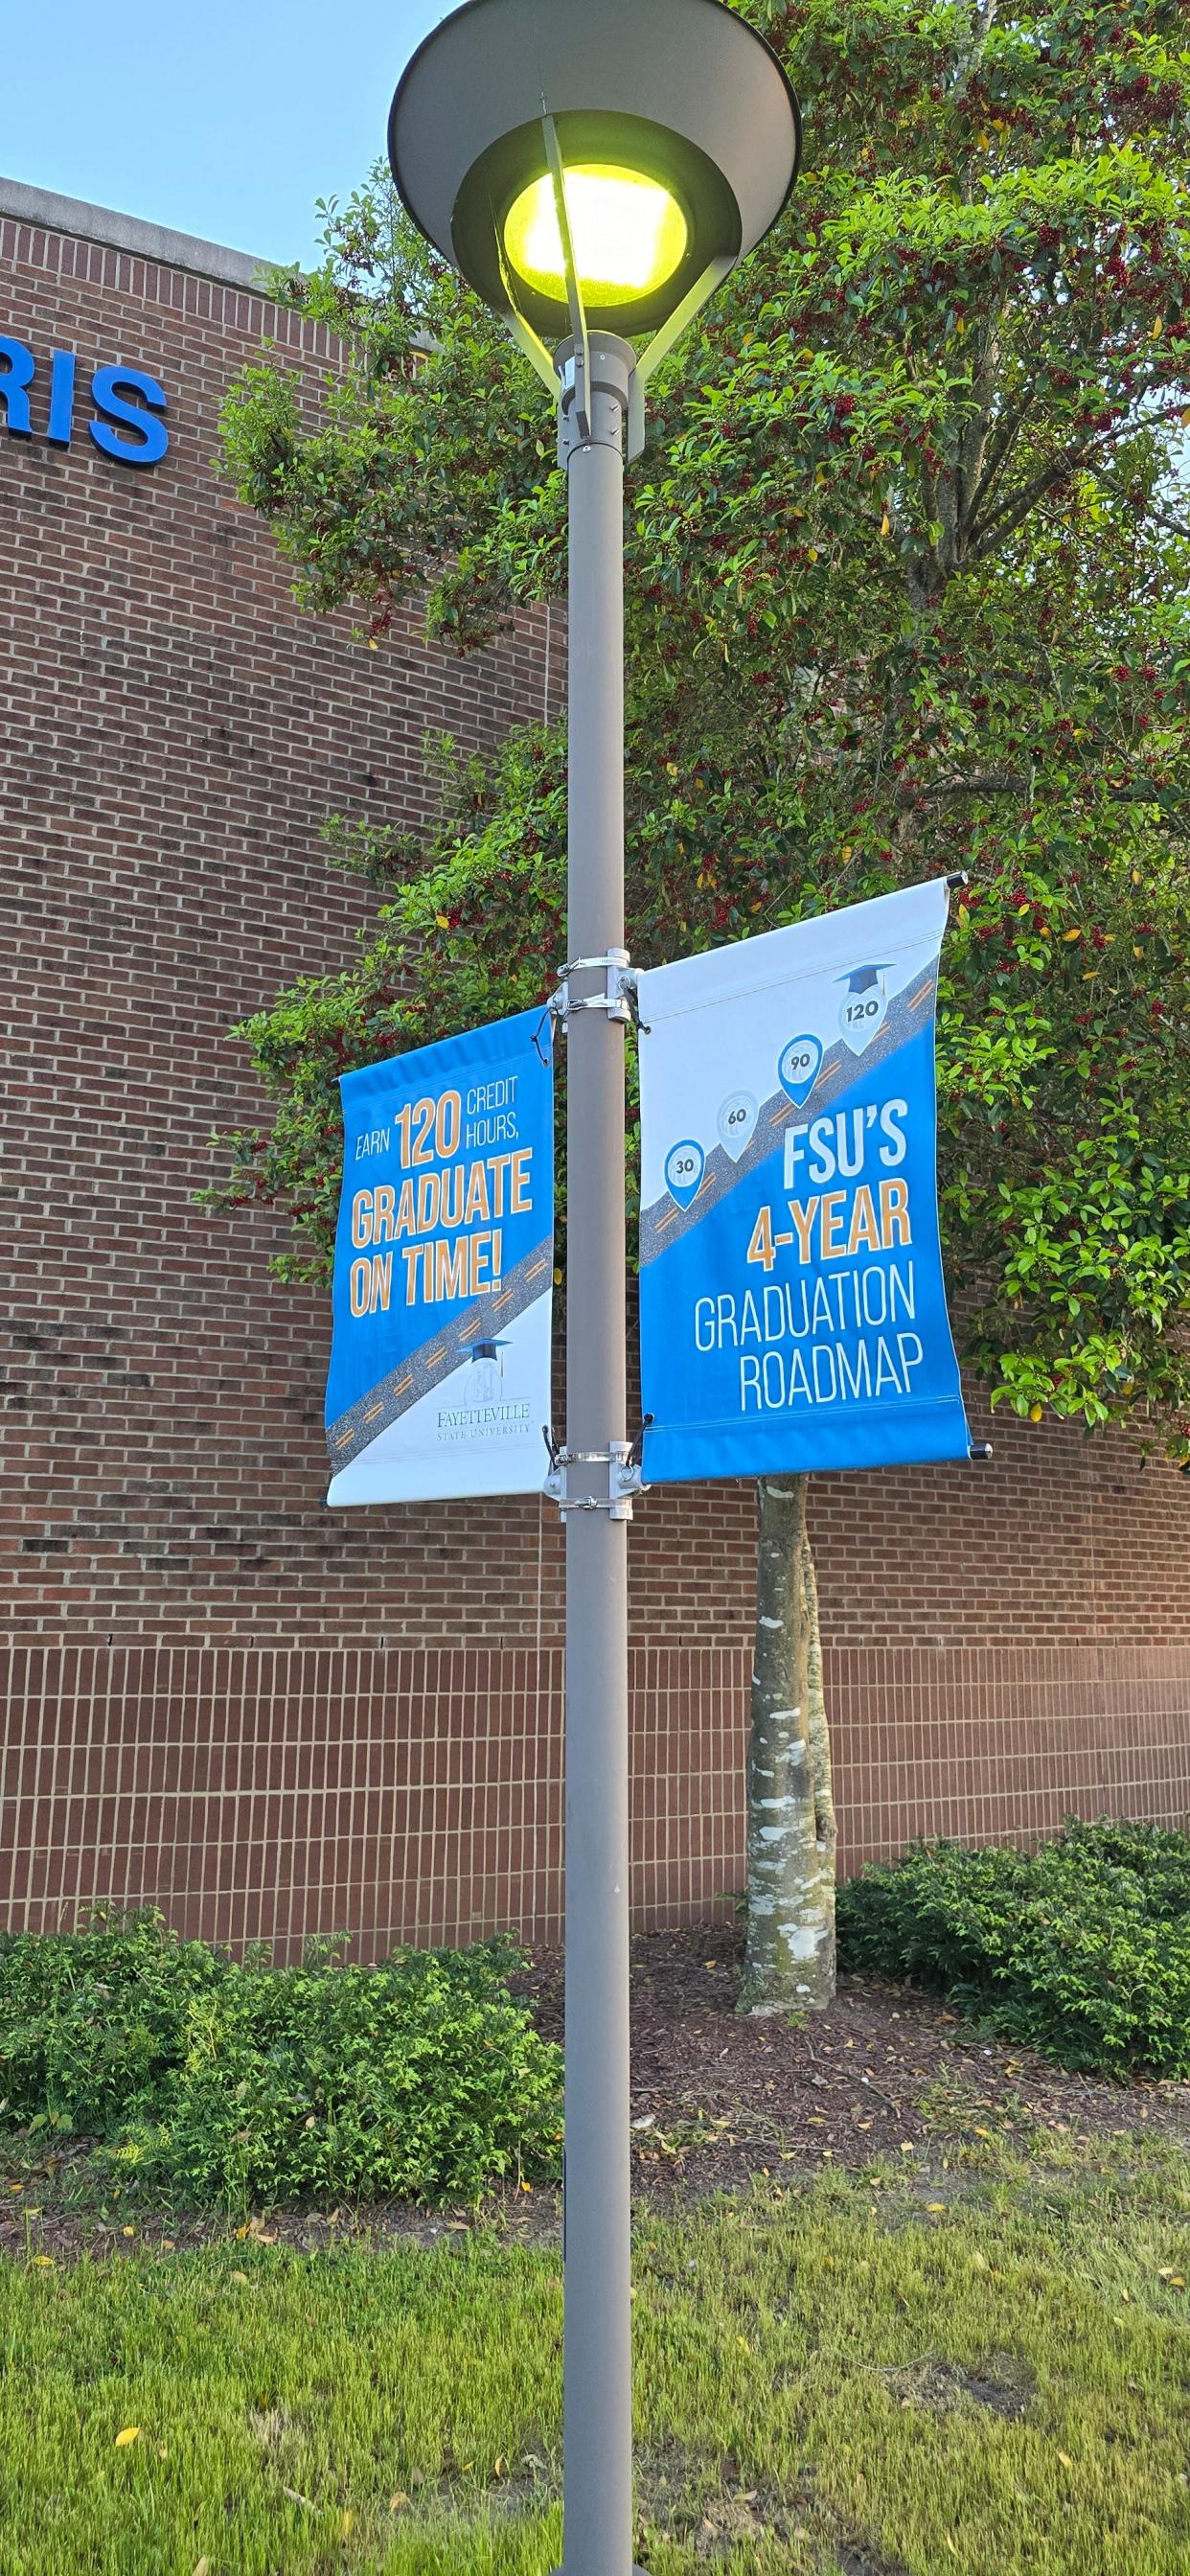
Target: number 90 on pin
x=797, y=1066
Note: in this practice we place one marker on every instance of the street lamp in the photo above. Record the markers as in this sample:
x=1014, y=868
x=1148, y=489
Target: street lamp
x=594, y=168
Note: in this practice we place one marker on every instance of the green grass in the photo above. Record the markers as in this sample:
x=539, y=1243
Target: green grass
x=838, y=2377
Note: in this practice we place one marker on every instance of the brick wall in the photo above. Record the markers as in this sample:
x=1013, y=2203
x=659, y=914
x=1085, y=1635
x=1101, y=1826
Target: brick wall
x=274, y=1720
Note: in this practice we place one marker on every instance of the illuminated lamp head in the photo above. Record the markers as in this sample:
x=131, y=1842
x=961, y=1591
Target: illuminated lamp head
x=678, y=135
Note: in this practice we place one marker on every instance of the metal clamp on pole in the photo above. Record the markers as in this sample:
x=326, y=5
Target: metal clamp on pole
x=595, y=378
x=623, y=1478
x=618, y=997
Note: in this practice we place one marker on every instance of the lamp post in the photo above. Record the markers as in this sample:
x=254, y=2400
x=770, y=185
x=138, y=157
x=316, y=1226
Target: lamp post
x=594, y=168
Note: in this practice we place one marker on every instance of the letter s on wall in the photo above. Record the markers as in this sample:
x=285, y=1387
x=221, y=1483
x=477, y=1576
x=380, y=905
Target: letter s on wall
x=109, y=385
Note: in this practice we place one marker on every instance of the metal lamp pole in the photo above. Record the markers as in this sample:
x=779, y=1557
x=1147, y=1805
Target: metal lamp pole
x=683, y=99
x=598, y=2387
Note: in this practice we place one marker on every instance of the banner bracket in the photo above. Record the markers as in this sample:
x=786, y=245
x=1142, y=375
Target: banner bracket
x=637, y=1451
x=623, y=1478
x=618, y=997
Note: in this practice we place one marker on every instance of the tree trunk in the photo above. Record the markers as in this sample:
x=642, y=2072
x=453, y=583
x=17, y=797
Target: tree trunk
x=790, y=1959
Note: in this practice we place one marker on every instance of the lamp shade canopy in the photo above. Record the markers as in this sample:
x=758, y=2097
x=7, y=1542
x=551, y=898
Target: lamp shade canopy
x=678, y=132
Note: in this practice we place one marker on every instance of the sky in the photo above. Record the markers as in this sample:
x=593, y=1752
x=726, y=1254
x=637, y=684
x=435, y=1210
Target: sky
x=226, y=118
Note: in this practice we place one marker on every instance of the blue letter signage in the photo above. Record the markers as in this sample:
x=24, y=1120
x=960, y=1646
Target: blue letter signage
x=792, y=1310
x=127, y=404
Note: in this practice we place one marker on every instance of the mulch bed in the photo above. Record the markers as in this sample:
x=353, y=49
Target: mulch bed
x=885, y=2069
x=716, y=2099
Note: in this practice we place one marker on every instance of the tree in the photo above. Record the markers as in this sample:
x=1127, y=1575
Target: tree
x=906, y=592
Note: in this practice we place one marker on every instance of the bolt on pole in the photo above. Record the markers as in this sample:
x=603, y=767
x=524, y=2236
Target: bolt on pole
x=598, y=2359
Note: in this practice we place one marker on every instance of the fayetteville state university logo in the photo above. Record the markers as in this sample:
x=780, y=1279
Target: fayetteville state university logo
x=126, y=404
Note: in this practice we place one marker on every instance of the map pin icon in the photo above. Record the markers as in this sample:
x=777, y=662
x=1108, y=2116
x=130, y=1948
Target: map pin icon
x=737, y=1122
x=865, y=1010
x=797, y=1067
x=684, y=1166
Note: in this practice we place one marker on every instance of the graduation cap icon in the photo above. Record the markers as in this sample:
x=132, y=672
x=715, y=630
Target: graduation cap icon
x=482, y=1382
x=864, y=1005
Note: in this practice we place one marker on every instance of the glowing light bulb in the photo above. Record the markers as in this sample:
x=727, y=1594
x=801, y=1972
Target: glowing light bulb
x=628, y=233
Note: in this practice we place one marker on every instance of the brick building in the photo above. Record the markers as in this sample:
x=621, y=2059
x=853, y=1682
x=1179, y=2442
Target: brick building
x=270, y=1719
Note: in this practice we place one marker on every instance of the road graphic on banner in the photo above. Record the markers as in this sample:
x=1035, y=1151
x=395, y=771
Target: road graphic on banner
x=792, y=1308
x=439, y=1381
x=427, y=1366
x=667, y=1220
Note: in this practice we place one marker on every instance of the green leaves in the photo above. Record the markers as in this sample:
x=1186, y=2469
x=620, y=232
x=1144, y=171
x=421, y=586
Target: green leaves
x=216, y=2083
x=1081, y=1948
x=907, y=580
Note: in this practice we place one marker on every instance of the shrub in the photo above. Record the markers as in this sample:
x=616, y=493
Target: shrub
x=91, y=2021
x=209, y=2081
x=1080, y=1948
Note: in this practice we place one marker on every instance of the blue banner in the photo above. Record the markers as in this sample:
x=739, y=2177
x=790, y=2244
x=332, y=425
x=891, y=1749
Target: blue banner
x=792, y=1308
x=439, y=1378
